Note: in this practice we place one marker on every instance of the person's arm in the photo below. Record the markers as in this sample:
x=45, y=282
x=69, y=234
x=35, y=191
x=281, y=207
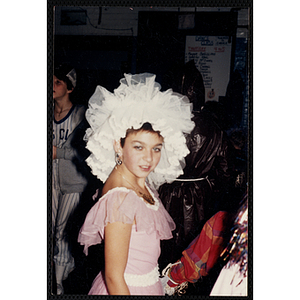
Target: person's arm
x=54, y=152
x=116, y=247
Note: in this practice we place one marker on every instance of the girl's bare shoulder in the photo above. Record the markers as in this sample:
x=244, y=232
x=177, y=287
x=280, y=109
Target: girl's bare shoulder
x=112, y=182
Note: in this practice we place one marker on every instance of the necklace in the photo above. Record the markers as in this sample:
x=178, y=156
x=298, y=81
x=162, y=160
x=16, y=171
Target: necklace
x=146, y=197
x=59, y=113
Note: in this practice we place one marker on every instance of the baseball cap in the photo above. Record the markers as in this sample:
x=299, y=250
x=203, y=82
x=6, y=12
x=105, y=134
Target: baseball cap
x=66, y=73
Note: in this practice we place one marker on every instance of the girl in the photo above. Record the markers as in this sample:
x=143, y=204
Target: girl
x=137, y=143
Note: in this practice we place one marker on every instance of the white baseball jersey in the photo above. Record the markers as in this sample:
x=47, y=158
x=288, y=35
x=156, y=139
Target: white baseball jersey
x=62, y=129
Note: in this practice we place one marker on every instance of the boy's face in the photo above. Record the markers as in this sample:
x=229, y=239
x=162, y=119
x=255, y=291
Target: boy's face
x=59, y=89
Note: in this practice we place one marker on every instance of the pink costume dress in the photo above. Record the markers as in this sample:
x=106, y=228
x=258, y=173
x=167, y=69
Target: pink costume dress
x=153, y=223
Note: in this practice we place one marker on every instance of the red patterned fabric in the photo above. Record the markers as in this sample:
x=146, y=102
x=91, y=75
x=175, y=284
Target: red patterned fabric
x=202, y=253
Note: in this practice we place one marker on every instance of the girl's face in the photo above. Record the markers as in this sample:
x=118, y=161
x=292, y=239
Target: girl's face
x=141, y=152
x=60, y=89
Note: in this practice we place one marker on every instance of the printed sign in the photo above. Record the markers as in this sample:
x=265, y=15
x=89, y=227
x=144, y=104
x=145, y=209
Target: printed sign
x=212, y=55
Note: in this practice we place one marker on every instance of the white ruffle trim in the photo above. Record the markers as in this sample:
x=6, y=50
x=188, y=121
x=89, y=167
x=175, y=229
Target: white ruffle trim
x=137, y=100
x=142, y=280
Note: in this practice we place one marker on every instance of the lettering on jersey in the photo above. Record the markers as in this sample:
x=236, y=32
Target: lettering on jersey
x=63, y=134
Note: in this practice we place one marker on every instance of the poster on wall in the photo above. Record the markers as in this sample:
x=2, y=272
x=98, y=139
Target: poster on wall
x=212, y=56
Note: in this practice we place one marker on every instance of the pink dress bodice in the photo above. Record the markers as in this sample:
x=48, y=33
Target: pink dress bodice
x=153, y=223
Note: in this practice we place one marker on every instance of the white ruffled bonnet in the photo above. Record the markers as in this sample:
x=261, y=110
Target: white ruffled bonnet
x=137, y=100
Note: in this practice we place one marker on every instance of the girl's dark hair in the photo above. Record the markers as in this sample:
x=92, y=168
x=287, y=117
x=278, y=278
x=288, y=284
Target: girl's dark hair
x=145, y=127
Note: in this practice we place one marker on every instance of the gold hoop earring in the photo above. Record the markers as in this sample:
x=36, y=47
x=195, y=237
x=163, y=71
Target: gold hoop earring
x=118, y=159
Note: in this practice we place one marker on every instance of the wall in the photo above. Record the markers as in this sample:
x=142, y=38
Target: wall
x=123, y=21
x=105, y=42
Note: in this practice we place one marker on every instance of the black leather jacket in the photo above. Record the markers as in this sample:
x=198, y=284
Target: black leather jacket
x=191, y=203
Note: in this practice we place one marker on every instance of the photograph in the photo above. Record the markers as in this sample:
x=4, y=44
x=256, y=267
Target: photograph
x=149, y=140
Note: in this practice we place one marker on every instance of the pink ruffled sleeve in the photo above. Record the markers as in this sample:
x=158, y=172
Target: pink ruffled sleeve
x=112, y=207
x=123, y=205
